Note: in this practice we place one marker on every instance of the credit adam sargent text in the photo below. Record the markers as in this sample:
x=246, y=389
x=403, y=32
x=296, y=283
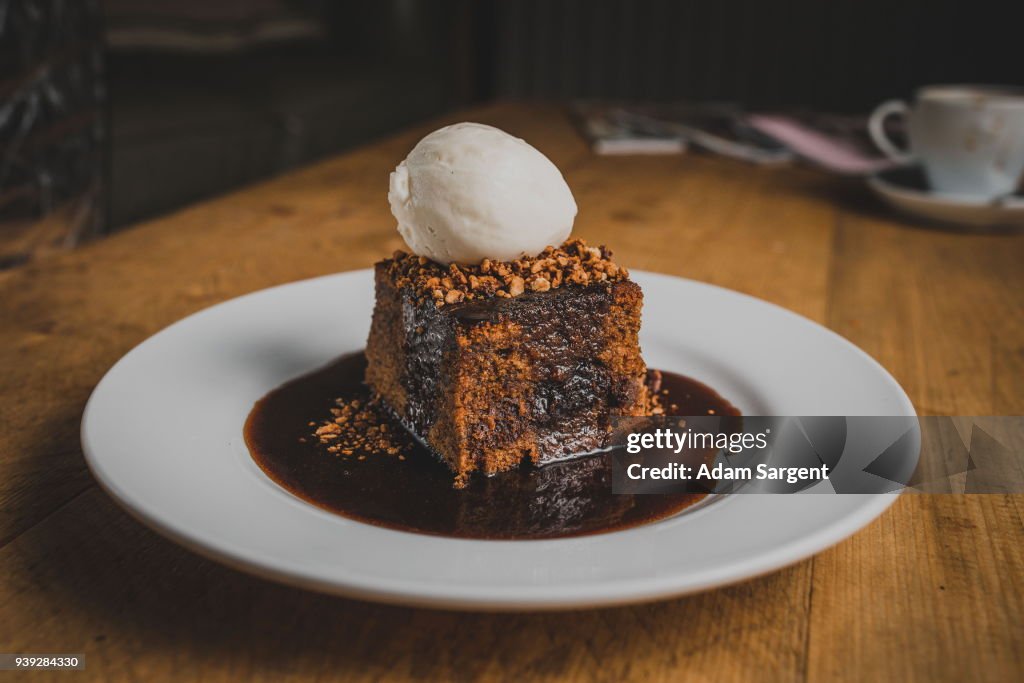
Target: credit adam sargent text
x=719, y=471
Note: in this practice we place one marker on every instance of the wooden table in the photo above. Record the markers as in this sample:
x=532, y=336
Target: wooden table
x=930, y=591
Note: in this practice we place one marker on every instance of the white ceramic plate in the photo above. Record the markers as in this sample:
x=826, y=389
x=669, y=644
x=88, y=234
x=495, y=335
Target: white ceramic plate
x=906, y=189
x=163, y=434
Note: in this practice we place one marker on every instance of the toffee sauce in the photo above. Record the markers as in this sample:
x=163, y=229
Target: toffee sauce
x=566, y=498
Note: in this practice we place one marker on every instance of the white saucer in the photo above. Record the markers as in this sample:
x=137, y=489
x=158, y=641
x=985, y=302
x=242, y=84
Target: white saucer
x=906, y=189
x=163, y=435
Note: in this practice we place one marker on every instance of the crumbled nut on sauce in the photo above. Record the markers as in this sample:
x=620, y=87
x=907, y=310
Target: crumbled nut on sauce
x=656, y=395
x=358, y=427
x=572, y=263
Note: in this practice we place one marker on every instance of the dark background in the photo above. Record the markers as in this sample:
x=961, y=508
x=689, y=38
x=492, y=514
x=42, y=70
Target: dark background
x=168, y=124
x=835, y=55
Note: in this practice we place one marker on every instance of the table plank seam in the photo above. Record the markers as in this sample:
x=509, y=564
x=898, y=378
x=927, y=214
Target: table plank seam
x=13, y=537
x=808, y=621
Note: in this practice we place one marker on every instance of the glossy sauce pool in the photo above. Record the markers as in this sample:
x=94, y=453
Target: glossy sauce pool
x=569, y=498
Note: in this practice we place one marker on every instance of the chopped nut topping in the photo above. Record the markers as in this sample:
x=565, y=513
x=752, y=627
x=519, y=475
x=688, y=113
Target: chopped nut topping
x=540, y=285
x=516, y=286
x=573, y=263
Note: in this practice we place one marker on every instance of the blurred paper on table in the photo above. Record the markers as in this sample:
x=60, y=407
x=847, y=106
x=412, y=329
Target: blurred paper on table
x=719, y=128
x=837, y=144
x=611, y=132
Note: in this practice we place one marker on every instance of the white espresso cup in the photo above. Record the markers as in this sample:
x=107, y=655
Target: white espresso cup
x=969, y=139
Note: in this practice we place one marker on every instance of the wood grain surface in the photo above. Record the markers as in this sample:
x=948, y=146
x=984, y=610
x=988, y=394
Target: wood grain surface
x=933, y=590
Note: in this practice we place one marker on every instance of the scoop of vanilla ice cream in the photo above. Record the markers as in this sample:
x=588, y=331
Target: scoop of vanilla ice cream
x=468, y=192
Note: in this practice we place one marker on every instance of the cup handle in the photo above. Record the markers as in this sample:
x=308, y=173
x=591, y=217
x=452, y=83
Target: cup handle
x=876, y=126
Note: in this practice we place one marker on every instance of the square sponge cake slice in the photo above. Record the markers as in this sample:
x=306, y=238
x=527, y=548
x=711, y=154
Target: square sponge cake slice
x=501, y=363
